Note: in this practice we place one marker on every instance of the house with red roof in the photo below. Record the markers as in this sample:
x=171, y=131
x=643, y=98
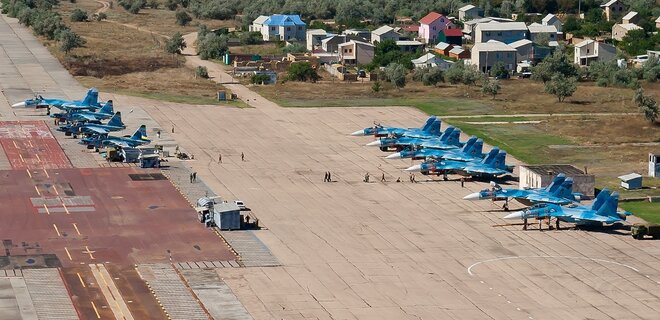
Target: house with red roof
x=431, y=25
x=451, y=36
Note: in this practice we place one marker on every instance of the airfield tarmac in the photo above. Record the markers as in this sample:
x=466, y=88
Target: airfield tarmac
x=355, y=250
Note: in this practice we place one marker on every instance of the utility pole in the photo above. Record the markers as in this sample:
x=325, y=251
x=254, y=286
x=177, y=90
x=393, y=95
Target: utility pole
x=579, y=8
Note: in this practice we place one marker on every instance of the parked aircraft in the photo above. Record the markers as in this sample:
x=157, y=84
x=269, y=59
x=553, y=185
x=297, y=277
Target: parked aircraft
x=492, y=165
x=448, y=140
x=603, y=210
x=559, y=191
x=89, y=102
x=102, y=140
x=430, y=129
x=105, y=112
x=95, y=127
x=471, y=151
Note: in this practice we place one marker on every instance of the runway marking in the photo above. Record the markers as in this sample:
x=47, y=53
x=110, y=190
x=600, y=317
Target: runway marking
x=29, y=173
x=96, y=311
x=57, y=230
x=47, y=211
x=38, y=192
x=76, y=227
x=21, y=156
x=87, y=251
x=81, y=280
x=46, y=172
x=110, y=292
x=37, y=155
x=469, y=269
x=15, y=146
x=68, y=254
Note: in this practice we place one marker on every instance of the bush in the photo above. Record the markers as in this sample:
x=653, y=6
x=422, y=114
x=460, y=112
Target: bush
x=247, y=38
x=498, y=70
x=212, y=46
x=651, y=70
x=647, y=105
x=101, y=16
x=471, y=75
x=135, y=8
x=396, y=74
x=154, y=4
x=602, y=82
x=428, y=76
x=202, y=72
x=175, y=44
x=171, y=4
x=78, y=15
x=48, y=24
x=260, y=79
x=454, y=74
x=294, y=48
x=70, y=40
x=182, y=17
x=376, y=87
x=558, y=62
x=561, y=86
x=490, y=87
x=302, y=71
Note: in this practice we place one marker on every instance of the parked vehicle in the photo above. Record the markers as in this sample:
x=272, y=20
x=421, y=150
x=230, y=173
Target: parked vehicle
x=639, y=230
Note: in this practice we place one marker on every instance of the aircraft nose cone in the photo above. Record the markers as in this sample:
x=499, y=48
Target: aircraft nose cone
x=415, y=168
x=20, y=104
x=516, y=215
x=374, y=143
x=472, y=196
x=358, y=133
x=394, y=156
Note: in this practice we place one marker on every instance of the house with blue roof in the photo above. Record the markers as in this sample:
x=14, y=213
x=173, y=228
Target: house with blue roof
x=282, y=27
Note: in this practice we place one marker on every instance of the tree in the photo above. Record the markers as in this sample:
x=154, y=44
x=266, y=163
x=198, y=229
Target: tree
x=647, y=105
x=571, y=24
x=212, y=46
x=498, y=70
x=542, y=39
x=561, y=86
x=78, y=15
x=506, y=8
x=175, y=44
x=182, y=17
x=135, y=8
x=70, y=40
x=636, y=42
x=490, y=87
x=471, y=75
x=100, y=16
x=558, y=62
x=433, y=76
x=396, y=74
x=260, y=79
x=171, y=4
x=202, y=31
x=247, y=38
x=651, y=70
x=202, y=72
x=454, y=74
x=302, y=71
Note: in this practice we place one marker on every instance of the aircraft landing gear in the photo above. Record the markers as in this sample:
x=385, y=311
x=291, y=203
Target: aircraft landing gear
x=506, y=204
x=557, y=223
x=525, y=224
x=540, y=224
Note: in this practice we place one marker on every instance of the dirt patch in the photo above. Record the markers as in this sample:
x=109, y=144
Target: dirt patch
x=101, y=67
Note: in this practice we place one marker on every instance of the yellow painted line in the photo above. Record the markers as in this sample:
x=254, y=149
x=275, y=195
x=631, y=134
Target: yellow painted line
x=15, y=146
x=35, y=188
x=47, y=211
x=89, y=252
x=81, y=280
x=37, y=155
x=76, y=227
x=20, y=155
x=57, y=230
x=46, y=172
x=67, y=253
x=96, y=311
x=56, y=192
x=29, y=173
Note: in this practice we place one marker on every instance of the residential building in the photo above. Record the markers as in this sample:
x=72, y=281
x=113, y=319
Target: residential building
x=524, y=50
x=470, y=25
x=409, y=45
x=356, y=52
x=459, y=53
x=413, y=30
x=552, y=20
x=443, y=48
x=431, y=60
x=283, y=27
x=630, y=17
x=506, y=32
x=357, y=34
x=431, y=25
x=612, y=8
x=589, y=50
x=314, y=38
x=331, y=43
x=451, y=36
x=469, y=12
x=536, y=30
x=486, y=54
x=620, y=30
x=384, y=33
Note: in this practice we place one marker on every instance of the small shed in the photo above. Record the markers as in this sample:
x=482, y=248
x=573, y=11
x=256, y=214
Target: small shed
x=654, y=164
x=631, y=181
x=227, y=216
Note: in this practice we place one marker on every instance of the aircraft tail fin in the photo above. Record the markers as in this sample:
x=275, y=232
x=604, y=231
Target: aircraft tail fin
x=609, y=206
x=92, y=97
x=429, y=122
x=445, y=135
x=602, y=196
x=490, y=156
x=116, y=120
x=565, y=190
x=468, y=144
x=140, y=133
x=107, y=108
x=454, y=137
x=477, y=148
x=499, y=162
x=556, y=183
x=434, y=128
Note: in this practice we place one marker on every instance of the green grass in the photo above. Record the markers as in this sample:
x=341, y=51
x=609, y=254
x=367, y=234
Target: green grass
x=199, y=100
x=651, y=187
x=496, y=119
x=649, y=211
x=436, y=106
x=523, y=141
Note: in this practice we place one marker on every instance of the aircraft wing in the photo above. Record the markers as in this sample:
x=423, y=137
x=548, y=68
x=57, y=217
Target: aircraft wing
x=589, y=215
x=82, y=117
x=95, y=129
x=484, y=170
x=437, y=145
x=544, y=197
x=450, y=165
x=118, y=143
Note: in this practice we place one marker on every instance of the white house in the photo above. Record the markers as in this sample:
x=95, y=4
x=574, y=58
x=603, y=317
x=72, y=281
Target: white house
x=552, y=20
x=535, y=30
x=384, y=33
x=631, y=17
x=409, y=45
x=506, y=32
x=356, y=52
x=431, y=60
x=469, y=12
x=331, y=43
x=282, y=27
x=589, y=50
x=612, y=8
x=486, y=54
x=620, y=30
x=314, y=38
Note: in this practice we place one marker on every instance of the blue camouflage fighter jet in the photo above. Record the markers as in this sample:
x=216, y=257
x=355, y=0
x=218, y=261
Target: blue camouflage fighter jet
x=602, y=211
x=471, y=151
x=104, y=140
x=89, y=102
x=430, y=129
x=104, y=113
x=448, y=140
x=94, y=127
x=559, y=191
x=492, y=165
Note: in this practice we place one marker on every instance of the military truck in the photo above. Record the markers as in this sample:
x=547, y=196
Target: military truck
x=639, y=230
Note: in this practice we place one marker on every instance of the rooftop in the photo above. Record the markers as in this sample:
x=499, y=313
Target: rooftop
x=554, y=169
x=316, y=31
x=492, y=45
x=539, y=28
x=466, y=8
x=502, y=26
x=430, y=18
x=382, y=30
x=260, y=20
x=425, y=58
x=457, y=50
x=442, y=45
x=519, y=43
x=630, y=15
x=629, y=26
x=408, y=43
x=453, y=32
x=548, y=17
x=630, y=176
x=356, y=42
x=284, y=20
x=609, y=3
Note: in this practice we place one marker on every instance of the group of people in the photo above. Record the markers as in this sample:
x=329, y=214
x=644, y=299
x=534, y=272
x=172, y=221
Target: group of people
x=220, y=157
x=328, y=177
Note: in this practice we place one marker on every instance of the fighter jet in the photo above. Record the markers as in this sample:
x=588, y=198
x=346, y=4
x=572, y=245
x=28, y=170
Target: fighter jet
x=94, y=127
x=103, y=140
x=105, y=112
x=430, y=129
x=492, y=165
x=448, y=140
x=90, y=102
x=603, y=210
x=471, y=151
x=560, y=191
